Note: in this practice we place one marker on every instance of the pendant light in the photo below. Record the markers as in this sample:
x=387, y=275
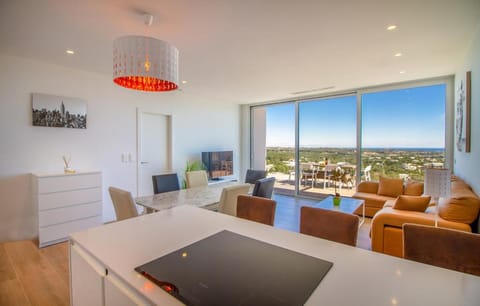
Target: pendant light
x=145, y=63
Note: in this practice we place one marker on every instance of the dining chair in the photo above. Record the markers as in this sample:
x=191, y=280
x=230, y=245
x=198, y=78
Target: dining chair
x=442, y=247
x=329, y=224
x=264, y=187
x=253, y=175
x=228, y=199
x=256, y=209
x=123, y=203
x=165, y=183
x=196, y=178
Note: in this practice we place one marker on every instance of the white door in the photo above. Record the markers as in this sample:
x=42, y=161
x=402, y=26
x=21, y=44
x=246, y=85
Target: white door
x=154, y=149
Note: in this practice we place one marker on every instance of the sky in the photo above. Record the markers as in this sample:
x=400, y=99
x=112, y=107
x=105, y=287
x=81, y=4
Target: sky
x=405, y=118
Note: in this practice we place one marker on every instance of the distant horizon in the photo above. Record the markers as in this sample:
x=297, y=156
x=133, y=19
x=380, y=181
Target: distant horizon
x=354, y=148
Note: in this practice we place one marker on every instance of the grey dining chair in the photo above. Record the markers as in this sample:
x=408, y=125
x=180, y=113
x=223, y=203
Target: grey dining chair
x=264, y=187
x=165, y=183
x=253, y=175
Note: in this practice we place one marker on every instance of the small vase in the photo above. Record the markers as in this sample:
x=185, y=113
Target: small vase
x=68, y=170
x=336, y=201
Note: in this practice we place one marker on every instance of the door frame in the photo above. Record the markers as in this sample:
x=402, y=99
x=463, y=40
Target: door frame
x=140, y=112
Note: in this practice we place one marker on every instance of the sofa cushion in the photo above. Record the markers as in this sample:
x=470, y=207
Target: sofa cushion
x=413, y=188
x=371, y=199
x=463, y=205
x=390, y=187
x=462, y=209
x=368, y=187
x=412, y=203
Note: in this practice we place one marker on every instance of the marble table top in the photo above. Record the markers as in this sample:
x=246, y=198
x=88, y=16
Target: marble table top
x=198, y=196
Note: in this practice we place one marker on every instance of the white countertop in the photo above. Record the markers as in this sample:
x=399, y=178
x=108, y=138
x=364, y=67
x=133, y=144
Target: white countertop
x=358, y=277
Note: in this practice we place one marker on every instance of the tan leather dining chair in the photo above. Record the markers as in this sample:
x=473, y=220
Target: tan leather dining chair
x=196, y=178
x=228, y=199
x=446, y=248
x=329, y=224
x=123, y=203
x=256, y=209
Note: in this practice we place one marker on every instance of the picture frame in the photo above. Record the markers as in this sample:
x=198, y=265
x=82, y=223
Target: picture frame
x=57, y=111
x=463, y=115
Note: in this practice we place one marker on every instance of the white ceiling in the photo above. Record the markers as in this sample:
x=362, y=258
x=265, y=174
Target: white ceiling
x=248, y=51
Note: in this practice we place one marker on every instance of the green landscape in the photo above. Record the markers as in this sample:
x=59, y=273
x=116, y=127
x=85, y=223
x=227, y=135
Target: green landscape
x=406, y=163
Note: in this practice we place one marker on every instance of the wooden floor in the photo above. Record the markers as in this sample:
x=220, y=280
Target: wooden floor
x=33, y=276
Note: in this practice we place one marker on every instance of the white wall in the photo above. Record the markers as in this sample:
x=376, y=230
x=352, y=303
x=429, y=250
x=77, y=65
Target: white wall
x=259, y=139
x=467, y=165
x=199, y=124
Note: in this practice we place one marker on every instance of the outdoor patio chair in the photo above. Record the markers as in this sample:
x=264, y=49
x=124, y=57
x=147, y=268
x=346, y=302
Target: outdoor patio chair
x=307, y=172
x=366, y=173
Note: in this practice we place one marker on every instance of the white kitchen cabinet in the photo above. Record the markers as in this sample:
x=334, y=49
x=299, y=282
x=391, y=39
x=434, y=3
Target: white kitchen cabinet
x=66, y=203
x=93, y=284
x=86, y=278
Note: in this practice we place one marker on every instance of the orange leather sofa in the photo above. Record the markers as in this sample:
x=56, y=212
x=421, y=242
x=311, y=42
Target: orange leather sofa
x=375, y=194
x=459, y=212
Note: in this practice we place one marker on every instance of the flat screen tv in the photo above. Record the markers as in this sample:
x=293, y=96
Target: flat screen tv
x=218, y=163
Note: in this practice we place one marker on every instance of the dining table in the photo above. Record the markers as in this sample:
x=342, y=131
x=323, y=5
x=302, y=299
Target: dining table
x=207, y=196
x=325, y=171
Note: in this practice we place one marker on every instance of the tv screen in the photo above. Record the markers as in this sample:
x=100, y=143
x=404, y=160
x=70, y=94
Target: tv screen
x=218, y=163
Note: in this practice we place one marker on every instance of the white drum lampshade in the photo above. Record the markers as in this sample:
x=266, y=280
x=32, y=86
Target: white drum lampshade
x=437, y=184
x=145, y=63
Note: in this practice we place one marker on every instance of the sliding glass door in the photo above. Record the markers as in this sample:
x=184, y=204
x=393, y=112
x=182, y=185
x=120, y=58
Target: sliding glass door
x=274, y=144
x=327, y=146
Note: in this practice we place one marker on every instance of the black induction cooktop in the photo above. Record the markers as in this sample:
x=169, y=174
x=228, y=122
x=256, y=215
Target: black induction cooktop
x=231, y=269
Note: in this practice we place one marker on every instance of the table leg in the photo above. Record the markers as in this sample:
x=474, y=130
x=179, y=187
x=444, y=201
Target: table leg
x=362, y=220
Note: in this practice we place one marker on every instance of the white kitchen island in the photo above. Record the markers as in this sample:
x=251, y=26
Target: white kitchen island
x=102, y=262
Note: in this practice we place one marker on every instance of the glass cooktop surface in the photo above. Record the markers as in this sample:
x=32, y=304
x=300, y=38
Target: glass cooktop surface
x=230, y=269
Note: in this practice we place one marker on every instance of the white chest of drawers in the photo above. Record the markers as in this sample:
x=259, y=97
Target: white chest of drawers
x=66, y=203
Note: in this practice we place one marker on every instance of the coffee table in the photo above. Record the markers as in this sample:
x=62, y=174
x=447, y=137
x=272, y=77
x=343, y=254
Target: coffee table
x=348, y=205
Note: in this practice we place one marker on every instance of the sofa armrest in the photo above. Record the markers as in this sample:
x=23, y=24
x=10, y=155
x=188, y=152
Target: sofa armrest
x=369, y=187
x=388, y=216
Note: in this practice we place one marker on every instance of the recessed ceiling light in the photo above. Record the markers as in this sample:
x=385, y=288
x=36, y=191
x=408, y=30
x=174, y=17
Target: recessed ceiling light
x=70, y=52
x=391, y=27
x=184, y=82
x=398, y=54
x=402, y=71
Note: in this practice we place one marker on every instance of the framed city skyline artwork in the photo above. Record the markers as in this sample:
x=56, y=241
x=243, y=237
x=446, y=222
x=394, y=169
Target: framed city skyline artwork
x=57, y=111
